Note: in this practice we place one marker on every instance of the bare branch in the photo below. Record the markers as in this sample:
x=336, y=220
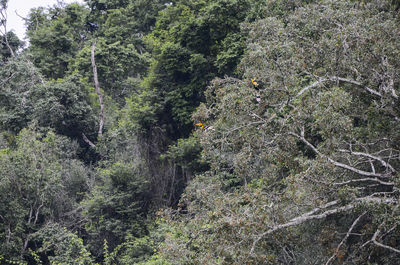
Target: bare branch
x=315, y=84
x=37, y=213
x=364, y=180
x=373, y=240
x=389, y=231
x=301, y=219
x=371, y=91
x=3, y=14
x=311, y=216
x=9, y=234
x=88, y=141
x=325, y=206
x=97, y=86
x=23, y=18
x=383, y=162
x=26, y=242
x=338, y=164
x=341, y=79
x=246, y=125
x=30, y=215
x=349, y=232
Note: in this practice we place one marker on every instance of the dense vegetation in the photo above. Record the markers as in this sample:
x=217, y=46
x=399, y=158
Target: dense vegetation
x=201, y=132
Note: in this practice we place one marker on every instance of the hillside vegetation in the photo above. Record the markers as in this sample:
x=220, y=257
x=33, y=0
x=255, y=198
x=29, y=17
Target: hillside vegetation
x=201, y=132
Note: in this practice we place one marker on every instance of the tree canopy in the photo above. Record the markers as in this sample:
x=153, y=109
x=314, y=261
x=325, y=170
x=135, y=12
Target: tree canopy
x=201, y=132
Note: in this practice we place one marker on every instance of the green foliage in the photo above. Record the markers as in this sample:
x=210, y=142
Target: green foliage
x=192, y=42
x=56, y=35
x=186, y=153
x=42, y=182
x=116, y=206
x=15, y=44
x=178, y=78
x=142, y=14
x=117, y=62
x=120, y=53
x=66, y=246
x=232, y=49
x=64, y=105
x=18, y=78
x=322, y=75
x=266, y=131
x=139, y=114
x=133, y=251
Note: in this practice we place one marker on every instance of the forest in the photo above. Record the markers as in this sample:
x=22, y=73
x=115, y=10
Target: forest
x=226, y=132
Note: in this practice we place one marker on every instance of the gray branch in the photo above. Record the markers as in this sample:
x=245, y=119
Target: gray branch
x=311, y=216
x=340, y=79
x=301, y=219
x=97, y=86
x=333, y=257
x=3, y=14
x=338, y=164
x=373, y=240
x=90, y=143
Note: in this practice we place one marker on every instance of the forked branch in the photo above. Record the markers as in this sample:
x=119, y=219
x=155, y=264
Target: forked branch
x=311, y=216
x=338, y=164
x=375, y=241
x=301, y=219
x=333, y=257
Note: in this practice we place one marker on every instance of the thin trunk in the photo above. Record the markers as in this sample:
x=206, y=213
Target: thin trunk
x=7, y=43
x=3, y=14
x=97, y=86
x=88, y=141
x=172, y=185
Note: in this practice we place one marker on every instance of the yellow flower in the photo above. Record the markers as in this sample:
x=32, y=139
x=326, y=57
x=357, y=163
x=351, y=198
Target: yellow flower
x=253, y=81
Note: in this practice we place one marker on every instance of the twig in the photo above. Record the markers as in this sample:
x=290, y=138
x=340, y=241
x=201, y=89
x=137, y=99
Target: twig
x=364, y=180
x=383, y=162
x=373, y=240
x=331, y=259
x=338, y=164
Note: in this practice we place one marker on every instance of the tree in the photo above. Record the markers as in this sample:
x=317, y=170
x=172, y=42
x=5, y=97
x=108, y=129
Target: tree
x=64, y=105
x=5, y=36
x=18, y=77
x=309, y=172
x=186, y=45
x=121, y=53
x=9, y=42
x=56, y=35
x=69, y=104
x=117, y=206
x=41, y=183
